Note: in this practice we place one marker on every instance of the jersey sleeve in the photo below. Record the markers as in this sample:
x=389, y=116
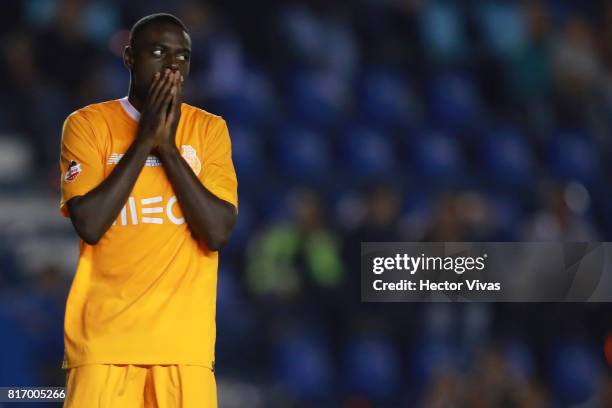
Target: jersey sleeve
x=81, y=164
x=218, y=174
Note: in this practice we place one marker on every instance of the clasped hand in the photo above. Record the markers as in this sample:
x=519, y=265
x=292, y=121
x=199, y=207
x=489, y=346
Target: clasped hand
x=161, y=110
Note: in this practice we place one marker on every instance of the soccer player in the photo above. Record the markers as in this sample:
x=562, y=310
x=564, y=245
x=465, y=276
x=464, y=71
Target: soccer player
x=149, y=185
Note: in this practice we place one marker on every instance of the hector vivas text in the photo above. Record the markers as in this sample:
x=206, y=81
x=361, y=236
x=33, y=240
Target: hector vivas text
x=412, y=265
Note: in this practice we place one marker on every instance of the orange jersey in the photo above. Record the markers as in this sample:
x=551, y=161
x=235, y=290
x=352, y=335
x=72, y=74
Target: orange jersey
x=146, y=292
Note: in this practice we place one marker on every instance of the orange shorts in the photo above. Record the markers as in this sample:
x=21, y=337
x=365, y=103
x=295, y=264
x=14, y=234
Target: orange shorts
x=140, y=386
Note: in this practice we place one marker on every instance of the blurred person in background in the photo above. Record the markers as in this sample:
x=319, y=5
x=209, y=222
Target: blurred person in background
x=298, y=255
x=150, y=187
x=379, y=222
x=578, y=72
x=460, y=217
x=562, y=216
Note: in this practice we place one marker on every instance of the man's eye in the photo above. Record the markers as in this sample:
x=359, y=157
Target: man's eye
x=157, y=53
x=183, y=57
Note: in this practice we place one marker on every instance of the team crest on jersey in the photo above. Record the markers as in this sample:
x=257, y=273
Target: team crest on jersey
x=191, y=157
x=74, y=169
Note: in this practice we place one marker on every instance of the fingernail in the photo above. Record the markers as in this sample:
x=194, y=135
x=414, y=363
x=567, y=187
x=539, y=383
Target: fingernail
x=182, y=79
x=156, y=75
x=173, y=90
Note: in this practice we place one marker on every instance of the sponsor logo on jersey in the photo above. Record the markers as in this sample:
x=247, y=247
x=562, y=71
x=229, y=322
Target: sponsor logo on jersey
x=149, y=210
x=74, y=169
x=152, y=161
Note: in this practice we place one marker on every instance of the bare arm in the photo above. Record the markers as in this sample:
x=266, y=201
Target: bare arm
x=92, y=214
x=210, y=219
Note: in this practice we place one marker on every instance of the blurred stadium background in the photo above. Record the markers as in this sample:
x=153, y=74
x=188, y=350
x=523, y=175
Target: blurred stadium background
x=351, y=121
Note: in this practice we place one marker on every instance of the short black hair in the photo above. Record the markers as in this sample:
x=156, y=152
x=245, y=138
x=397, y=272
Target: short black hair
x=153, y=18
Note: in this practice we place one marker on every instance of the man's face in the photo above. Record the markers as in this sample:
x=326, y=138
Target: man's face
x=157, y=47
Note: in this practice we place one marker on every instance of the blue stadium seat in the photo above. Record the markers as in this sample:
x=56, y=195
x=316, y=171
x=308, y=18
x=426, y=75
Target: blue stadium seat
x=503, y=28
x=431, y=358
x=234, y=318
x=40, y=12
x=303, y=32
x=245, y=224
x=506, y=214
x=576, y=371
x=520, y=360
x=443, y=31
x=247, y=154
x=372, y=367
x=436, y=159
x=304, y=366
x=367, y=154
x=273, y=202
x=385, y=100
x=416, y=201
x=302, y=154
x=319, y=42
x=99, y=21
x=453, y=101
x=506, y=159
x=573, y=156
x=17, y=367
x=251, y=103
x=112, y=75
x=9, y=263
x=341, y=50
x=317, y=98
x=416, y=213
x=346, y=205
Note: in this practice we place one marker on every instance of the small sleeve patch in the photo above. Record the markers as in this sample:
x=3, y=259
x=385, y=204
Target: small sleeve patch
x=74, y=169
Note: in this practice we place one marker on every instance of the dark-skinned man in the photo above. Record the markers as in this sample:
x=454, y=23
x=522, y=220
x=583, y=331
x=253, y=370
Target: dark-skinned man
x=149, y=185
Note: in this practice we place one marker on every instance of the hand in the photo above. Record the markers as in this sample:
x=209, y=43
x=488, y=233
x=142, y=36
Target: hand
x=173, y=114
x=159, y=120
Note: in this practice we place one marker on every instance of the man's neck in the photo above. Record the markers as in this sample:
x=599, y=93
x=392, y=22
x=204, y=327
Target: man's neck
x=135, y=100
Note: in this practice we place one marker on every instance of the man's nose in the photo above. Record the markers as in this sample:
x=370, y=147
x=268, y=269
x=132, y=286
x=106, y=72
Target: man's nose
x=172, y=64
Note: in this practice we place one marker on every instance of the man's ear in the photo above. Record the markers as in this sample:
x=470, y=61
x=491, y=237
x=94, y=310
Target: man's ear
x=128, y=57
